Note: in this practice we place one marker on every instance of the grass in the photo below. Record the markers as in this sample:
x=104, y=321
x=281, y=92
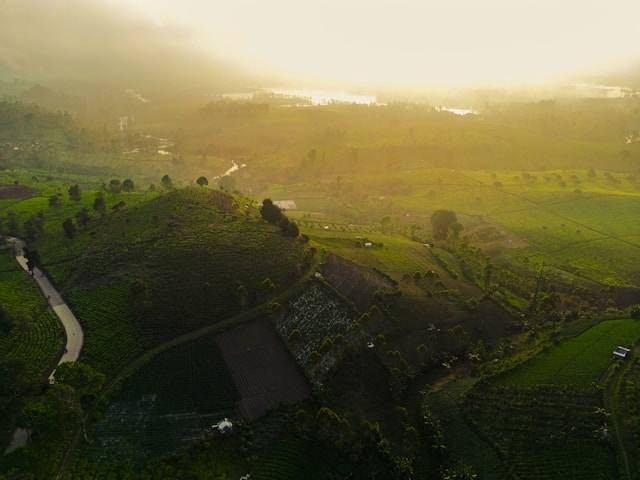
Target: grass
x=578, y=361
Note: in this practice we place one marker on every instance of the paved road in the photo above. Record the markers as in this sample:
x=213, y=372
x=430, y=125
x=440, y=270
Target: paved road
x=72, y=329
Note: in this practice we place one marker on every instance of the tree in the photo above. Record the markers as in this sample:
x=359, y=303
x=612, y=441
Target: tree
x=99, y=204
x=441, y=222
x=33, y=258
x=227, y=183
x=84, y=379
x=385, y=223
x=12, y=223
x=290, y=229
x=202, y=181
x=166, y=182
x=82, y=217
x=69, y=228
x=127, y=185
x=74, y=192
x=54, y=201
x=30, y=230
x=270, y=211
x=38, y=221
x=115, y=186
x=56, y=408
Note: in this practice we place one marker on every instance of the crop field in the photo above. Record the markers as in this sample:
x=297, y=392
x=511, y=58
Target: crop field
x=577, y=361
x=461, y=439
x=36, y=338
x=189, y=258
x=315, y=315
x=545, y=432
x=359, y=284
x=111, y=339
x=263, y=371
x=569, y=219
x=167, y=404
x=295, y=458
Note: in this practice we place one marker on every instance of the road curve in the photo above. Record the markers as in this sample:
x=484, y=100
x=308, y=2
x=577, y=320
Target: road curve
x=72, y=329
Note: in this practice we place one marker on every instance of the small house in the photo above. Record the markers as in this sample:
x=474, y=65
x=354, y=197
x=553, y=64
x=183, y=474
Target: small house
x=620, y=353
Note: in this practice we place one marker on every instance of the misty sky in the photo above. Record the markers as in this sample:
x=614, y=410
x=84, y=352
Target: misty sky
x=409, y=41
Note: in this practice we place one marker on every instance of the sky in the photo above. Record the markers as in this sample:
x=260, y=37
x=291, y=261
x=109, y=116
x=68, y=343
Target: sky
x=407, y=42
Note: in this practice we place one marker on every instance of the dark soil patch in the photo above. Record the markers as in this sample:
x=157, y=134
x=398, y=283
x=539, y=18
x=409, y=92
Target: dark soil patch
x=15, y=191
x=264, y=372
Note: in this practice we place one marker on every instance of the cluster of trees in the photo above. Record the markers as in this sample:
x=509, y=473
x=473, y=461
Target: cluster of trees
x=362, y=442
x=63, y=403
x=444, y=224
x=115, y=186
x=272, y=214
x=31, y=228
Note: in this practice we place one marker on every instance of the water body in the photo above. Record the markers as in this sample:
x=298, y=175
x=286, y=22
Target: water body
x=457, y=110
x=604, y=91
x=234, y=167
x=313, y=97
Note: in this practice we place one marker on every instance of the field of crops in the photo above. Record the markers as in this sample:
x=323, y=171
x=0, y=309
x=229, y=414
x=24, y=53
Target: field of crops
x=315, y=315
x=295, y=458
x=577, y=361
x=37, y=337
x=188, y=259
x=461, y=440
x=546, y=432
x=111, y=339
x=165, y=406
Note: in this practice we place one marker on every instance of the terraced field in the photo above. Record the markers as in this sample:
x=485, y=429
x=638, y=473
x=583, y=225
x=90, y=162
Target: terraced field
x=111, y=338
x=37, y=337
x=577, y=361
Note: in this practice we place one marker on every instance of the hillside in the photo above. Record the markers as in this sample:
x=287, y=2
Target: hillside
x=178, y=262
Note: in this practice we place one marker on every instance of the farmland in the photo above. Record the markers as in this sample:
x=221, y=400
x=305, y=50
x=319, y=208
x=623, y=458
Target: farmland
x=293, y=458
x=313, y=316
x=578, y=361
x=36, y=337
x=166, y=405
x=263, y=371
x=545, y=432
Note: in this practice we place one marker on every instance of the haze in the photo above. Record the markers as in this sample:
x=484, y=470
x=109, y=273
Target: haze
x=409, y=42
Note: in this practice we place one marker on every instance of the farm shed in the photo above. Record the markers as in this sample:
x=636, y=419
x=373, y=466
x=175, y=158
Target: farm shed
x=620, y=352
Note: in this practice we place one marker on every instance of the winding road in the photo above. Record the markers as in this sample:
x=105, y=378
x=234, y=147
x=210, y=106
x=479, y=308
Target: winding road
x=72, y=329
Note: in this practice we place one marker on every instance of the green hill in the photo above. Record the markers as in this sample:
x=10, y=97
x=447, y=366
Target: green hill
x=166, y=266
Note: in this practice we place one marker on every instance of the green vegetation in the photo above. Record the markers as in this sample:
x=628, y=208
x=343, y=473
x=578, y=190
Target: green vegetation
x=578, y=361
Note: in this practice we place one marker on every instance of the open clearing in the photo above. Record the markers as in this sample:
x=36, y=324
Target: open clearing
x=578, y=361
